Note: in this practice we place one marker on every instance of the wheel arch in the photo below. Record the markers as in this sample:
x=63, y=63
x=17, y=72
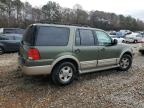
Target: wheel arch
x=67, y=58
x=126, y=52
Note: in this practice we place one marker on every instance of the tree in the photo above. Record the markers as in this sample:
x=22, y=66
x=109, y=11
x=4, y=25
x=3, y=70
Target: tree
x=81, y=16
x=51, y=12
x=14, y=13
x=8, y=8
x=18, y=8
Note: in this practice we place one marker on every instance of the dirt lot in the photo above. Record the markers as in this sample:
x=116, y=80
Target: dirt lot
x=107, y=89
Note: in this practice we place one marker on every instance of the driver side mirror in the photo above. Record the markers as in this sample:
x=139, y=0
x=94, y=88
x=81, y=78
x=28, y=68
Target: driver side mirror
x=114, y=42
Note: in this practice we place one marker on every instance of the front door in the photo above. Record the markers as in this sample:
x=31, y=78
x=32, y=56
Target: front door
x=108, y=53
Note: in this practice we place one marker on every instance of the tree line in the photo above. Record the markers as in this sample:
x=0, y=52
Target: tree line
x=14, y=13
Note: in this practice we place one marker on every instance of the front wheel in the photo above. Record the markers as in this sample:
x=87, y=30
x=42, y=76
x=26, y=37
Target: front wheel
x=63, y=74
x=125, y=62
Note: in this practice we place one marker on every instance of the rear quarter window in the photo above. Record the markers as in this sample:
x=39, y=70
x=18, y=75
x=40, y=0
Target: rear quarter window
x=52, y=36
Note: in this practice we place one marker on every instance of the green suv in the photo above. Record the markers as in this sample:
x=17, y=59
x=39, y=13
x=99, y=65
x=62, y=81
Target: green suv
x=65, y=51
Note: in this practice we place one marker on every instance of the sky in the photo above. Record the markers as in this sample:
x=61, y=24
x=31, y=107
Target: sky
x=134, y=8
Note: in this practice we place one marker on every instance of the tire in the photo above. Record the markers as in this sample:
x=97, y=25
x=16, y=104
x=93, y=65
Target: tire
x=125, y=62
x=1, y=50
x=123, y=41
x=142, y=52
x=63, y=73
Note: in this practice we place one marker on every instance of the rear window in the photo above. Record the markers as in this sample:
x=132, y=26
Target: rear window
x=28, y=37
x=52, y=36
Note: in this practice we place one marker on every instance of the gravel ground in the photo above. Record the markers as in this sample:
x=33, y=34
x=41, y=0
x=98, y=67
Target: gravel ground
x=106, y=89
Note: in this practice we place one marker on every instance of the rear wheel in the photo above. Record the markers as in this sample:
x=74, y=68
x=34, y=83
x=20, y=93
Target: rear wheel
x=142, y=52
x=125, y=62
x=1, y=50
x=63, y=74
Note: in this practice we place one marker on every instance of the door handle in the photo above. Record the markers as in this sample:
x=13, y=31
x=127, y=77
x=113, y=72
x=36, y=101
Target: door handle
x=77, y=51
x=103, y=49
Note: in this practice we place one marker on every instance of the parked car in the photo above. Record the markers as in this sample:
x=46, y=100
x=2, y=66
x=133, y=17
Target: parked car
x=119, y=39
x=9, y=42
x=64, y=52
x=134, y=38
x=11, y=31
x=141, y=49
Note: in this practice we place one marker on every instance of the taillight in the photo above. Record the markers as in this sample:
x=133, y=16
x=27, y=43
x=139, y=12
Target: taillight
x=33, y=54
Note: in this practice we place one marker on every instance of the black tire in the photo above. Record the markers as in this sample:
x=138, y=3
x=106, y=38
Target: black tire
x=127, y=64
x=142, y=52
x=58, y=70
x=123, y=41
x=1, y=50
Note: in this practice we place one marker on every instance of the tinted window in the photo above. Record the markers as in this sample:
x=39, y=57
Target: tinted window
x=52, y=36
x=103, y=38
x=78, y=38
x=18, y=38
x=84, y=38
x=6, y=38
x=3, y=38
x=28, y=37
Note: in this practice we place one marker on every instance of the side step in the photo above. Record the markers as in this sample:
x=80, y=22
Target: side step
x=97, y=69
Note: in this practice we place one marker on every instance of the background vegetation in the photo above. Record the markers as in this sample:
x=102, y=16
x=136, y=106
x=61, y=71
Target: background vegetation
x=14, y=13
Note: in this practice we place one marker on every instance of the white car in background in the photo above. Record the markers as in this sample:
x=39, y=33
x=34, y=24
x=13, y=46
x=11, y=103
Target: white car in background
x=119, y=39
x=134, y=38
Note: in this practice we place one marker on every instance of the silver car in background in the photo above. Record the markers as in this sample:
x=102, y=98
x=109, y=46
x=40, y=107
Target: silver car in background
x=134, y=38
x=119, y=39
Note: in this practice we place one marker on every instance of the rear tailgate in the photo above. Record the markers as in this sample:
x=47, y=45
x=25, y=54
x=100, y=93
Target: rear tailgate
x=27, y=42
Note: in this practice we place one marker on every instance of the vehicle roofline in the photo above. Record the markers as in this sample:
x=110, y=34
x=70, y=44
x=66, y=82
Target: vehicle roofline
x=69, y=26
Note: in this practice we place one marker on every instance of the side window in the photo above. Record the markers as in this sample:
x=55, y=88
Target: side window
x=10, y=37
x=84, y=37
x=103, y=38
x=52, y=36
x=78, y=41
x=18, y=38
x=6, y=38
x=2, y=38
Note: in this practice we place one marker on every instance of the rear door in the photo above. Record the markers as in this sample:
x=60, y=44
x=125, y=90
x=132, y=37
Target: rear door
x=85, y=49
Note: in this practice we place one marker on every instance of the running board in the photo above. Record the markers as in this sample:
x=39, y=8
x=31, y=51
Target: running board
x=97, y=69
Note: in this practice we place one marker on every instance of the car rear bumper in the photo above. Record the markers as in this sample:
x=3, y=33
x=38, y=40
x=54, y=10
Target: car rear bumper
x=34, y=70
